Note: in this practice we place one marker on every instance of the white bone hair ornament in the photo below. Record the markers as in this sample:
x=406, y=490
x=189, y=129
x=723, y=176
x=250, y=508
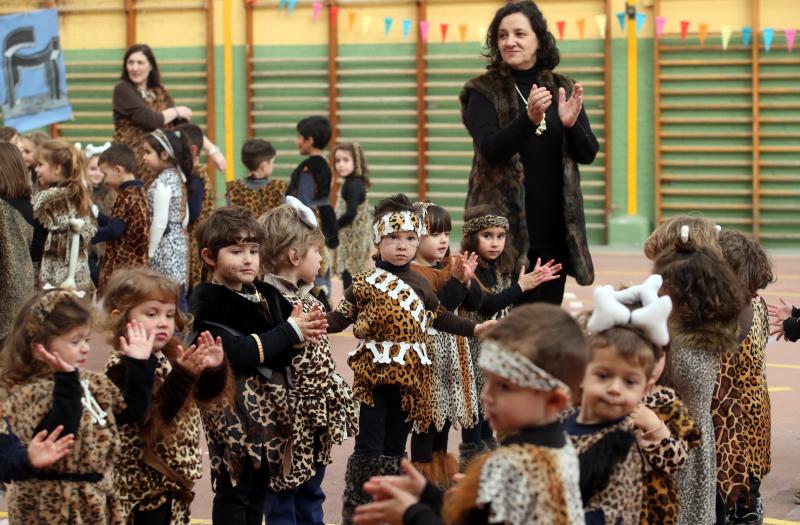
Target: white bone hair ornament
x=610, y=309
x=306, y=214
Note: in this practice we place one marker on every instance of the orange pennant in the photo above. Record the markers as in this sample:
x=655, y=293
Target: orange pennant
x=351, y=20
x=581, y=23
x=462, y=31
x=703, y=32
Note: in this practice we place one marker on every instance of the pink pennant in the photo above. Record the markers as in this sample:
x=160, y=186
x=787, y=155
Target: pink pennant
x=790, y=34
x=317, y=10
x=684, y=29
x=443, y=27
x=424, y=25
x=661, y=23
x=560, y=25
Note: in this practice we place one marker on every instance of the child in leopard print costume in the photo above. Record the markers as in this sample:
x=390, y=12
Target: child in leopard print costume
x=532, y=360
x=155, y=477
x=390, y=308
x=321, y=405
x=43, y=370
x=486, y=233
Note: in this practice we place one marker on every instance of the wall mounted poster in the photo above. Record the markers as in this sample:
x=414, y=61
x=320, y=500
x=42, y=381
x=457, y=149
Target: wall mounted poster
x=33, y=80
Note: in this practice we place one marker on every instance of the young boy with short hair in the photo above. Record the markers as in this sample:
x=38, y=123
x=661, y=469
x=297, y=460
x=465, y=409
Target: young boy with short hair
x=323, y=411
x=261, y=332
x=126, y=231
x=258, y=192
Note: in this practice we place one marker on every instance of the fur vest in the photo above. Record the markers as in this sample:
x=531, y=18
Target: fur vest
x=16, y=269
x=503, y=183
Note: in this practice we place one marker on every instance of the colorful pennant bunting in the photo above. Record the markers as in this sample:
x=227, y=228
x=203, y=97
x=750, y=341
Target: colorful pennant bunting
x=702, y=33
x=726, y=36
x=317, y=6
x=747, y=35
x=560, y=25
x=292, y=3
x=462, y=32
x=351, y=20
x=387, y=25
x=443, y=28
x=684, y=29
x=640, y=19
x=768, y=34
x=661, y=23
x=334, y=13
x=406, y=29
x=365, y=23
x=621, y=20
x=281, y=4
x=424, y=26
x=790, y=34
x=581, y=23
x=481, y=34
x=602, y=24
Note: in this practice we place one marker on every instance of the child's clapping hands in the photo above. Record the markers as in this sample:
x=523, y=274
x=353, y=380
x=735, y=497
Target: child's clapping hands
x=312, y=324
x=463, y=266
x=393, y=496
x=207, y=353
x=541, y=273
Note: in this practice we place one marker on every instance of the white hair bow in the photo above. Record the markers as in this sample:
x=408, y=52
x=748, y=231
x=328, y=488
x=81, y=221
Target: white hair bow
x=610, y=309
x=306, y=214
x=91, y=150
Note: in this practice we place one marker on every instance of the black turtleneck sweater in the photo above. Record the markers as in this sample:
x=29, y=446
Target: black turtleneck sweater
x=540, y=156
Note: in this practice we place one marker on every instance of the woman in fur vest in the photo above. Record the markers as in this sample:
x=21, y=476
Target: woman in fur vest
x=529, y=131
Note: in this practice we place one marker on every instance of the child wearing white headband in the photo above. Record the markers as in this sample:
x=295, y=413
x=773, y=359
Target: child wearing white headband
x=390, y=308
x=532, y=359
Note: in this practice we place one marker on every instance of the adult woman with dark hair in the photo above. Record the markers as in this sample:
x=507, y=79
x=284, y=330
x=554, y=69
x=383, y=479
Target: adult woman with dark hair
x=529, y=131
x=141, y=104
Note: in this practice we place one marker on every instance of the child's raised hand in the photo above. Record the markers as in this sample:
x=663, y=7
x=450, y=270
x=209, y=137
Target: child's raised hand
x=780, y=311
x=393, y=495
x=482, y=328
x=52, y=360
x=649, y=424
x=138, y=344
x=312, y=324
x=44, y=450
x=191, y=359
x=470, y=265
x=777, y=329
x=457, y=267
x=212, y=348
x=540, y=274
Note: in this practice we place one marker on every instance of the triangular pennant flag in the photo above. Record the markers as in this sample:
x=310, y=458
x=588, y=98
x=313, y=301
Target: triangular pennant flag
x=602, y=23
x=292, y=3
x=790, y=34
x=365, y=22
x=581, y=23
x=406, y=29
x=640, y=18
x=769, y=35
x=317, y=10
x=481, y=34
x=281, y=4
x=702, y=32
x=387, y=25
x=560, y=25
x=747, y=35
x=334, y=13
x=726, y=36
x=661, y=23
x=351, y=20
x=684, y=29
x=462, y=32
x=443, y=27
x=621, y=20
x=424, y=26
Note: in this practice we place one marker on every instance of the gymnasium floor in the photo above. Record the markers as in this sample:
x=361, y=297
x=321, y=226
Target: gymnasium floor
x=615, y=267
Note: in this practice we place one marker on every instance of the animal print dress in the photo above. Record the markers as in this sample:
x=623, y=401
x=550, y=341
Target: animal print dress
x=94, y=453
x=756, y=412
x=355, y=240
x=171, y=255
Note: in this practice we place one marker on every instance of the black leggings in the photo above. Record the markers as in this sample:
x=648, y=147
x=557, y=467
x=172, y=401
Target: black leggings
x=243, y=504
x=425, y=444
x=159, y=516
x=382, y=427
x=480, y=432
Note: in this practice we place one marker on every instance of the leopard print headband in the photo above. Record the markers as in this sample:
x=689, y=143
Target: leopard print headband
x=423, y=212
x=485, y=221
x=517, y=368
x=45, y=307
x=396, y=221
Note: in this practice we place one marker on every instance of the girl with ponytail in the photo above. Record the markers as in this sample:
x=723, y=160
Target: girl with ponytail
x=63, y=207
x=168, y=154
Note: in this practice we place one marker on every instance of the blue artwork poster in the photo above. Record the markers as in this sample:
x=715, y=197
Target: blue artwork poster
x=33, y=78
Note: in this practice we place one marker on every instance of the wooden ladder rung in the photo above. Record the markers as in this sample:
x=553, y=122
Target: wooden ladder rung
x=706, y=178
x=766, y=179
x=681, y=62
x=705, y=134
x=694, y=205
x=709, y=77
x=707, y=91
x=708, y=163
x=717, y=191
x=780, y=149
x=728, y=106
x=706, y=149
x=778, y=193
x=705, y=120
x=285, y=60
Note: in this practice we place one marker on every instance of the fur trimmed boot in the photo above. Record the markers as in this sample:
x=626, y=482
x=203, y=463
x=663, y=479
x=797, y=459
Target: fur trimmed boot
x=390, y=466
x=467, y=452
x=489, y=444
x=446, y=466
x=359, y=470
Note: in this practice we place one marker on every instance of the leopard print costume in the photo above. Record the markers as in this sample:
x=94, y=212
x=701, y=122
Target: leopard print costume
x=258, y=201
x=354, y=253
x=140, y=486
x=126, y=132
x=95, y=451
x=322, y=407
x=53, y=209
x=391, y=322
x=622, y=497
x=521, y=483
x=195, y=261
x=660, y=496
x=170, y=257
x=756, y=421
x=502, y=282
x=130, y=250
